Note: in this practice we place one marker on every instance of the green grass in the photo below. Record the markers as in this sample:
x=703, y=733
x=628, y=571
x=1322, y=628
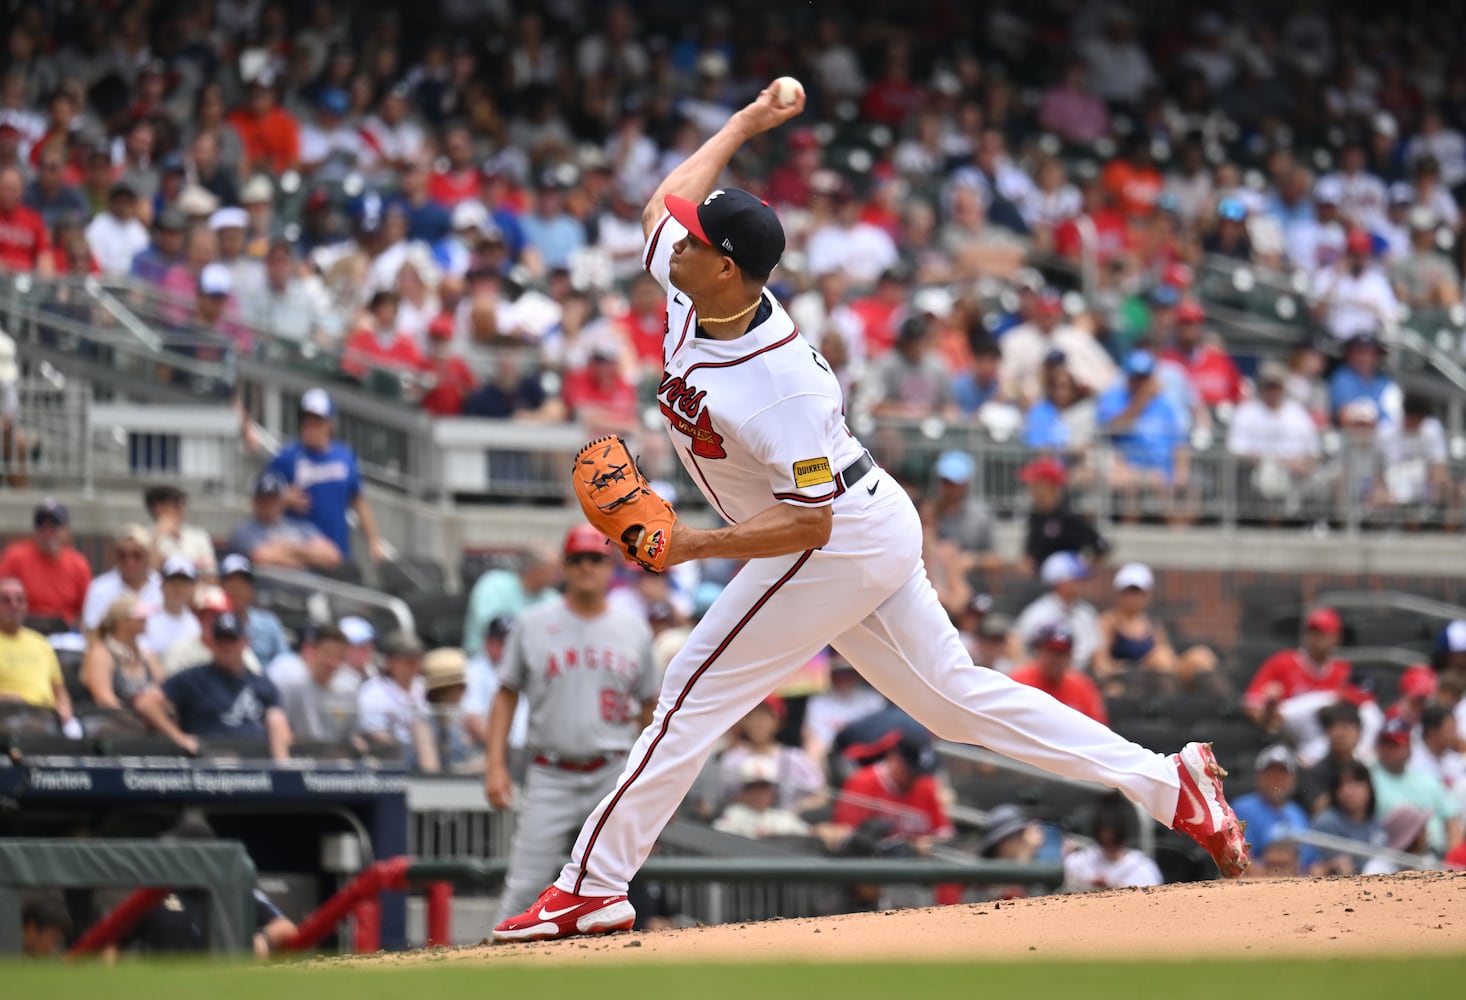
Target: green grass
x=1389, y=979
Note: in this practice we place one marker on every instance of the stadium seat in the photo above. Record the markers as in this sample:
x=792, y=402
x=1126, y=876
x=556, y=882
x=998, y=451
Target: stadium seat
x=322, y=750
x=18, y=717
x=1159, y=734
x=406, y=577
x=35, y=744
x=47, y=624
x=439, y=618
x=97, y=721
x=137, y=745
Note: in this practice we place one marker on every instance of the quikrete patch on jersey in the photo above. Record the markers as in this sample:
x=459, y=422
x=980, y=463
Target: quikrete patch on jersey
x=812, y=472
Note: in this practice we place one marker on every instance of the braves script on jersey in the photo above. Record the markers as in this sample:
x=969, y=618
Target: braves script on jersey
x=584, y=678
x=758, y=420
x=755, y=419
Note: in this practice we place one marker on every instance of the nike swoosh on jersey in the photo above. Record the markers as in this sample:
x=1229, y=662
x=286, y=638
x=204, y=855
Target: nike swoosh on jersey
x=554, y=914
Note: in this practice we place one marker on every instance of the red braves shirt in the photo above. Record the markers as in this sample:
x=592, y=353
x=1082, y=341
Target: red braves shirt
x=1296, y=674
x=647, y=332
x=583, y=392
x=870, y=793
x=1073, y=689
x=1213, y=373
x=363, y=350
x=449, y=189
x=53, y=587
x=23, y=239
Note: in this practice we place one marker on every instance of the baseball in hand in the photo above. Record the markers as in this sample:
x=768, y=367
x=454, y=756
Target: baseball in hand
x=786, y=91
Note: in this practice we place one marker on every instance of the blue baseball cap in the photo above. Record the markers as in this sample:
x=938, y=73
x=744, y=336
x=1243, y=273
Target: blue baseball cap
x=1140, y=364
x=1165, y=296
x=956, y=467
x=735, y=223
x=1232, y=209
x=334, y=101
x=1063, y=567
x=1453, y=637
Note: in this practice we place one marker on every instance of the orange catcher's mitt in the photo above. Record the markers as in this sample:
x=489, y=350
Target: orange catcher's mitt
x=619, y=503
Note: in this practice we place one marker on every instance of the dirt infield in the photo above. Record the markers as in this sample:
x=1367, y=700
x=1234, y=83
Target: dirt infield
x=1414, y=913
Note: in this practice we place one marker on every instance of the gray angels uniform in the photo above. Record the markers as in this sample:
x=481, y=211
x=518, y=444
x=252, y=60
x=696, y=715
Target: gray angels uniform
x=585, y=680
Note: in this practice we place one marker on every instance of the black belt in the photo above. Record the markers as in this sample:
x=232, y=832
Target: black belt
x=852, y=473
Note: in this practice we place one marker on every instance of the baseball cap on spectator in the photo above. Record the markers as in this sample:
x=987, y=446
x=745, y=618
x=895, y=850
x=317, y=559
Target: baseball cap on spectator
x=215, y=279
x=1165, y=296
x=1328, y=191
x=1396, y=731
x=470, y=215
x=1003, y=822
x=235, y=564
x=1055, y=637
x=1359, y=412
x=1056, y=358
x=1232, y=209
x=177, y=567
x=444, y=667
x=994, y=626
x=359, y=631
x=980, y=604
x=172, y=163
x=1063, y=567
x=1324, y=620
x=583, y=539
x=269, y=484
x=195, y=200
x=257, y=189
x=1050, y=303
x=318, y=403
x=210, y=600
x=918, y=753
x=441, y=327
x=803, y=138
x=171, y=220
x=735, y=223
x=401, y=644
x=1418, y=681
x=758, y=770
x=775, y=705
x=1422, y=218
x=1451, y=640
x=1339, y=713
x=1190, y=312
x=1044, y=470
x=50, y=511
x=229, y=218
x=1401, y=193
x=1140, y=364
x=956, y=467
x=333, y=101
x=1137, y=575
x=499, y=626
x=661, y=611
x=228, y=626
x=1358, y=241
x=1276, y=755
x=1177, y=275
x=1272, y=373
x=121, y=189
x=135, y=534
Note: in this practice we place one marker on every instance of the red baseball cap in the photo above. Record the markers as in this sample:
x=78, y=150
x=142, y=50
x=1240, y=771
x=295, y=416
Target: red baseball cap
x=584, y=538
x=1190, y=312
x=1177, y=275
x=441, y=327
x=1324, y=620
x=1358, y=241
x=776, y=705
x=1396, y=731
x=1418, y=681
x=1044, y=470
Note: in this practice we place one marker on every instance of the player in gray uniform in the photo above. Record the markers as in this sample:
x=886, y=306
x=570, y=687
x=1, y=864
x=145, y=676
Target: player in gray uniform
x=586, y=669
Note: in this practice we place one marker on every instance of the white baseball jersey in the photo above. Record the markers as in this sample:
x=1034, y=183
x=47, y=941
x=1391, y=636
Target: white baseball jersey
x=584, y=678
x=756, y=420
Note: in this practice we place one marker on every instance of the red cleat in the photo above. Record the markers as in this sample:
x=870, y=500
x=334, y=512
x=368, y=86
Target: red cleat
x=1202, y=812
x=558, y=914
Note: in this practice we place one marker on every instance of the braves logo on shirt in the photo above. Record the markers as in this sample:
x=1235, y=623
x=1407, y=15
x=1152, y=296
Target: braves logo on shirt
x=681, y=404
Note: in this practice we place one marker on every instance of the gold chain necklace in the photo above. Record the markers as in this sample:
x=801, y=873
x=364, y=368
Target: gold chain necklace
x=737, y=315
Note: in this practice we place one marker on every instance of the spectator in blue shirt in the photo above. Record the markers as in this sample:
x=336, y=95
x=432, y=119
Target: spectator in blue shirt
x=553, y=232
x=1063, y=420
x=1359, y=377
x=979, y=385
x=221, y=698
x=166, y=249
x=1270, y=812
x=262, y=628
x=1148, y=433
x=324, y=479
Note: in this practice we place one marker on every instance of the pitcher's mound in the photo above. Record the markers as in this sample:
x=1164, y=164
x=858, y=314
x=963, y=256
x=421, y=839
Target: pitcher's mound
x=1409, y=913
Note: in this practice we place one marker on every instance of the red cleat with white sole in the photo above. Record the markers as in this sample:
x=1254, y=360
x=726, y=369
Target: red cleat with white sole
x=559, y=914
x=1202, y=812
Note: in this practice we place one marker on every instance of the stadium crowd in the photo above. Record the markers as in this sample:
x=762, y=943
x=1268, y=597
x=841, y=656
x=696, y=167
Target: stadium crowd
x=457, y=221
x=464, y=216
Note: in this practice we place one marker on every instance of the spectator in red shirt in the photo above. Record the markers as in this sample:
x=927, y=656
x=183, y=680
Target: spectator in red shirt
x=462, y=180
x=70, y=252
x=599, y=396
x=900, y=790
x=270, y=134
x=1134, y=182
x=1112, y=237
x=452, y=378
x=1052, y=671
x=55, y=574
x=380, y=344
x=882, y=310
x=893, y=97
x=645, y=322
x=1212, y=371
x=24, y=243
x=1293, y=684
x=789, y=183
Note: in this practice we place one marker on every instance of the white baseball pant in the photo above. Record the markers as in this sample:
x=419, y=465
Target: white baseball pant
x=866, y=593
